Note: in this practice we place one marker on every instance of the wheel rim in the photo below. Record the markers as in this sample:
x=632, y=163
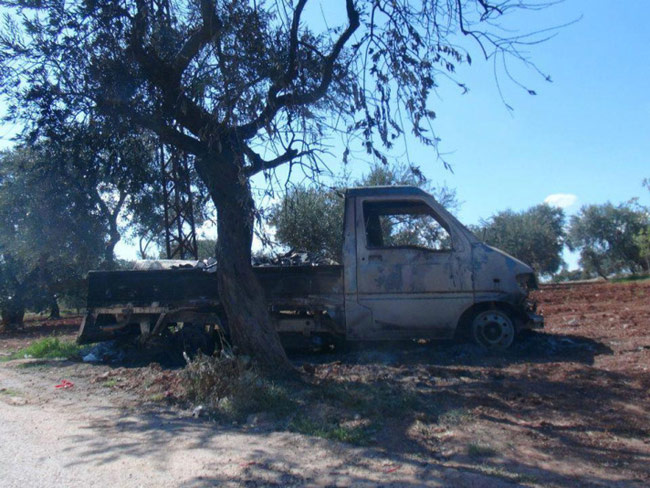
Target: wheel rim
x=493, y=329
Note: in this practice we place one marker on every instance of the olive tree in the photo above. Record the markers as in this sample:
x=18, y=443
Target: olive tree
x=535, y=236
x=642, y=239
x=50, y=234
x=245, y=86
x=116, y=169
x=607, y=237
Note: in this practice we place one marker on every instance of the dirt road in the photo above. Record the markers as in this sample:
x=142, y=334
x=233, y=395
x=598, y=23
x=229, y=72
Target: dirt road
x=568, y=407
x=49, y=439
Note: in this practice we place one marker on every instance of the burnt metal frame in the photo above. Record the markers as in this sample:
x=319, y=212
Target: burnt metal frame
x=180, y=229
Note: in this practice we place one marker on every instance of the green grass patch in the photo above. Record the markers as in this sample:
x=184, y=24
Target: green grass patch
x=47, y=348
x=630, y=279
x=357, y=435
x=9, y=392
x=480, y=451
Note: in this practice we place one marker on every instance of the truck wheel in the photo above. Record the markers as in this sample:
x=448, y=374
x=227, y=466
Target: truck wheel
x=493, y=329
x=194, y=338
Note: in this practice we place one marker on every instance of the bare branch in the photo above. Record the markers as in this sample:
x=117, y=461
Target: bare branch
x=473, y=34
x=178, y=105
x=258, y=164
x=274, y=103
x=293, y=50
x=210, y=28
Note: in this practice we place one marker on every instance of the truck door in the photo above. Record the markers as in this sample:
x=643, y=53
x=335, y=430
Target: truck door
x=413, y=270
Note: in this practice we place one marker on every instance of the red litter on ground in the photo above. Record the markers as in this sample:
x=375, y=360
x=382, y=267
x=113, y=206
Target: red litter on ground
x=64, y=384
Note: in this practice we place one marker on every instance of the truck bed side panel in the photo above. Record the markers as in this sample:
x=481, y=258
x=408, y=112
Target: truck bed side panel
x=187, y=287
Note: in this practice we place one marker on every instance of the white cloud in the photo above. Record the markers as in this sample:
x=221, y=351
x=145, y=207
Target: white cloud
x=562, y=200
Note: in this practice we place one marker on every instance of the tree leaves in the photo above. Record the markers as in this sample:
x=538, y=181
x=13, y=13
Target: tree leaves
x=82, y=58
x=605, y=235
x=535, y=236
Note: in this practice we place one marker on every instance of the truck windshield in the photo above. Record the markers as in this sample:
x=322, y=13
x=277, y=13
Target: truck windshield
x=404, y=223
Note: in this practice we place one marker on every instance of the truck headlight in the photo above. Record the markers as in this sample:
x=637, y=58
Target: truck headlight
x=527, y=282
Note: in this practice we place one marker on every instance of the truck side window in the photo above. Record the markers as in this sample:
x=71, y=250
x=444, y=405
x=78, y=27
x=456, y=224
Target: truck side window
x=404, y=223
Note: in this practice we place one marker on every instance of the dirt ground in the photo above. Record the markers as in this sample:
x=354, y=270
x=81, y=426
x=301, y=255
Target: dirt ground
x=566, y=407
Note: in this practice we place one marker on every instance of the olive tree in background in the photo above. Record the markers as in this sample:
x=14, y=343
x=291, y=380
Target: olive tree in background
x=535, y=236
x=245, y=86
x=642, y=239
x=607, y=237
x=642, y=242
x=310, y=219
x=50, y=235
x=115, y=168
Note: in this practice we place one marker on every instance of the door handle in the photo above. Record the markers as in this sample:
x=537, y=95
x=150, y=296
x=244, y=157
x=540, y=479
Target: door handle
x=375, y=257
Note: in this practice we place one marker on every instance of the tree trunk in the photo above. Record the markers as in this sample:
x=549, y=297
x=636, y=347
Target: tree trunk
x=12, y=315
x=109, y=252
x=240, y=291
x=114, y=236
x=55, y=312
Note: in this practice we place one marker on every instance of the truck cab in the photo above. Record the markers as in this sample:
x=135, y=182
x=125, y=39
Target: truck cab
x=411, y=269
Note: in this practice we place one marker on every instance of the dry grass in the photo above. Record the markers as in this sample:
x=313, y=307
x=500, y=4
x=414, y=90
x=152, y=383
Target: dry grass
x=231, y=387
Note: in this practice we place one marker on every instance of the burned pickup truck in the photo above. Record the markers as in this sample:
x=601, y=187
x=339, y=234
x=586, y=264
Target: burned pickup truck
x=410, y=270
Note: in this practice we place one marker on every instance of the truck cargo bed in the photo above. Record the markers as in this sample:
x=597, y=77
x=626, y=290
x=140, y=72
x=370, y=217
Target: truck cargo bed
x=185, y=287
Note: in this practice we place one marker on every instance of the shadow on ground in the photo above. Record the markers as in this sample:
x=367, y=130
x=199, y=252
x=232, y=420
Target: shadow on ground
x=399, y=404
x=536, y=347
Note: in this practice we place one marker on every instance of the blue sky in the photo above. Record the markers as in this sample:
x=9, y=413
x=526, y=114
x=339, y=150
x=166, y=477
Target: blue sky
x=585, y=135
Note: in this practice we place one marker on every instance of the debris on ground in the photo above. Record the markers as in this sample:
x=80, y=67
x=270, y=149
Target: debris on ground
x=64, y=385
x=104, y=352
x=294, y=258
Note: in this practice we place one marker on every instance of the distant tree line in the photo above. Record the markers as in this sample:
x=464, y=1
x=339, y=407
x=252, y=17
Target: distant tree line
x=64, y=206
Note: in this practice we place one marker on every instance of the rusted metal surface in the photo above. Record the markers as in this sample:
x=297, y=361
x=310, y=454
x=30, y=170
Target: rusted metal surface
x=395, y=281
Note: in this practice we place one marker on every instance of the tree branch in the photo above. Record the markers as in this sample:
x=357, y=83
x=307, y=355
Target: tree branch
x=472, y=34
x=156, y=124
x=258, y=164
x=187, y=112
x=275, y=103
x=290, y=73
x=210, y=28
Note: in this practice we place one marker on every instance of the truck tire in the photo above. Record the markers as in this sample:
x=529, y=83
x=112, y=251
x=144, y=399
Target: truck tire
x=193, y=338
x=493, y=329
